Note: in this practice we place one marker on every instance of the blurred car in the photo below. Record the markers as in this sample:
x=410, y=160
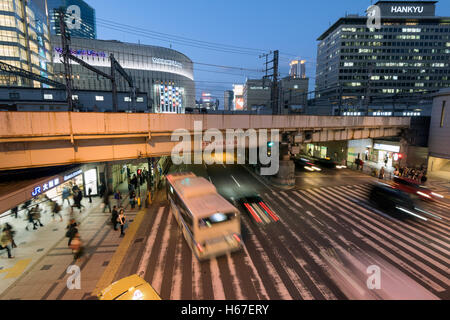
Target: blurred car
x=307, y=164
x=258, y=210
x=393, y=201
x=413, y=187
x=325, y=163
x=129, y=288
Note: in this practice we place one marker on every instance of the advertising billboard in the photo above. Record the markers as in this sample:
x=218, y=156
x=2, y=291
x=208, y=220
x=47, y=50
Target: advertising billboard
x=170, y=98
x=239, y=103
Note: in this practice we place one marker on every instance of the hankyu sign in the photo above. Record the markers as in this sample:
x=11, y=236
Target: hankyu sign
x=402, y=8
x=172, y=63
x=45, y=187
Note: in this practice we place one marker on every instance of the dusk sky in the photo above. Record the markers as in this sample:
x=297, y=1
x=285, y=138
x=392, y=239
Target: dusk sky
x=292, y=27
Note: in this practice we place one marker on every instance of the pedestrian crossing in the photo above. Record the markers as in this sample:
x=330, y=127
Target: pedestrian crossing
x=321, y=248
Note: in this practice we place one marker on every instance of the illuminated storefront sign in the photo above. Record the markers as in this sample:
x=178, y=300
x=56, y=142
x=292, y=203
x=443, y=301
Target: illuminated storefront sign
x=239, y=103
x=165, y=62
x=81, y=52
x=73, y=174
x=45, y=187
x=386, y=147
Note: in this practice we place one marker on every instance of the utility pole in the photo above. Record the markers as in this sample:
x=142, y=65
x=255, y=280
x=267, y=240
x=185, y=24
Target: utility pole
x=65, y=39
x=274, y=75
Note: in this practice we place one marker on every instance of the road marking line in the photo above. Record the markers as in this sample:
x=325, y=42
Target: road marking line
x=17, y=269
x=113, y=266
x=235, y=181
x=149, y=245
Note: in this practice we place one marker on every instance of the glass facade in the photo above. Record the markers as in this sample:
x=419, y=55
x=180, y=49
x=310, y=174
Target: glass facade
x=80, y=20
x=404, y=57
x=25, y=40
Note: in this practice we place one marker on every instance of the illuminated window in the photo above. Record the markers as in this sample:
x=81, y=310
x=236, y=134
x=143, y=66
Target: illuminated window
x=48, y=96
x=99, y=98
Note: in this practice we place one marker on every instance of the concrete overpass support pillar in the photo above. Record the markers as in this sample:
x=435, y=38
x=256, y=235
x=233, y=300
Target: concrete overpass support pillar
x=286, y=172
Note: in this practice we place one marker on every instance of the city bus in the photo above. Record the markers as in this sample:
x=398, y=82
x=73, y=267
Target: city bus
x=210, y=224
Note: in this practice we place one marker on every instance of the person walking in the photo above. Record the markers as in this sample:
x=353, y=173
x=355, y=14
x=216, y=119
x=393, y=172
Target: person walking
x=72, y=230
x=122, y=221
x=118, y=197
x=77, y=246
x=15, y=212
x=132, y=199
x=102, y=190
x=30, y=219
x=89, y=194
x=56, y=208
x=11, y=233
x=114, y=216
x=36, y=214
x=106, y=201
x=5, y=242
x=66, y=195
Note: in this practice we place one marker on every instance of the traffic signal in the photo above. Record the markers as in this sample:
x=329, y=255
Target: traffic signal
x=269, y=148
x=400, y=155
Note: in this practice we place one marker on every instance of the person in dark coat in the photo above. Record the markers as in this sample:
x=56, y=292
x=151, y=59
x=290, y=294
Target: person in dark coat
x=114, y=216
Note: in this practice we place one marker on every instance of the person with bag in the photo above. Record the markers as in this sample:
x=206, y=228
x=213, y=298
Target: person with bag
x=10, y=233
x=122, y=221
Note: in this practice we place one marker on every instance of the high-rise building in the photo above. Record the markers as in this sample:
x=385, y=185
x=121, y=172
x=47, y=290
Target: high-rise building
x=257, y=94
x=360, y=64
x=228, y=97
x=297, y=69
x=25, y=40
x=80, y=18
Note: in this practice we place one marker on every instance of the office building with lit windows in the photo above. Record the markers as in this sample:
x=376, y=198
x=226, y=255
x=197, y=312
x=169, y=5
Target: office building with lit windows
x=80, y=19
x=25, y=40
x=360, y=66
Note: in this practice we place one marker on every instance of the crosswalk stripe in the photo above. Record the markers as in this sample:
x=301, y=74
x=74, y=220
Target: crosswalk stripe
x=292, y=200
x=352, y=213
x=386, y=230
x=412, y=222
x=197, y=290
x=281, y=288
x=412, y=230
x=235, y=281
x=323, y=289
x=159, y=268
x=218, y=291
x=149, y=244
x=178, y=273
x=295, y=278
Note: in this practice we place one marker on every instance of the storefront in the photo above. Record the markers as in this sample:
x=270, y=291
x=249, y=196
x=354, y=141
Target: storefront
x=386, y=154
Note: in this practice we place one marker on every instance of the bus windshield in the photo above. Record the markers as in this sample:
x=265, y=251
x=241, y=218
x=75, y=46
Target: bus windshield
x=215, y=218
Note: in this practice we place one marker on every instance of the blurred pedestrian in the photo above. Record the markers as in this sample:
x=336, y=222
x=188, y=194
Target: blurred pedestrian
x=36, y=214
x=106, y=201
x=56, y=208
x=114, y=216
x=65, y=195
x=102, y=190
x=118, y=197
x=71, y=230
x=15, y=212
x=381, y=175
x=11, y=233
x=132, y=199
x=89, y=194
x=5, y=243
x=122, y=221
x=77, y=246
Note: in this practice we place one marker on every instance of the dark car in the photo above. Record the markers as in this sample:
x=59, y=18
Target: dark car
x=325, y=163
x=393, y=201
x=258, y=211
